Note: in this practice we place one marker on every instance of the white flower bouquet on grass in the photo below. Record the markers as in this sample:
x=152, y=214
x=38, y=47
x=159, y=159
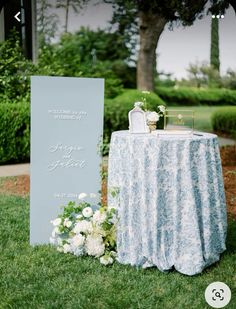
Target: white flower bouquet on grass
x=80, y=230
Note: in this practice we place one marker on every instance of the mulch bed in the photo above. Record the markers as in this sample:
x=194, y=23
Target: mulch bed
x=20, y=185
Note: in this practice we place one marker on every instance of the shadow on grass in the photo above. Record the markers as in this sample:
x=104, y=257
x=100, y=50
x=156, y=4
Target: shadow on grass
x=231, y=239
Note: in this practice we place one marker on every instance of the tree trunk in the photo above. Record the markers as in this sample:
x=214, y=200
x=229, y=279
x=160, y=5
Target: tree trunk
x=67, y=13
x=151, y=26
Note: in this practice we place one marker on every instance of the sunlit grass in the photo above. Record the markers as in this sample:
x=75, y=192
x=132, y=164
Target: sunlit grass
x=202, y=121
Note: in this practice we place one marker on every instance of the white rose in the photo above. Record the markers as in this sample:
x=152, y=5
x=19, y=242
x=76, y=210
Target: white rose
x=56, y=222
x=152, y=116
x=99, y=217
x=66, y=248
x=82, y=196
x=106, y=260
x=77, y=241
x=83, y=227
x=87, y=212
x=67, y=223
x=162, y=108
x=94, y=245
x=93, y=195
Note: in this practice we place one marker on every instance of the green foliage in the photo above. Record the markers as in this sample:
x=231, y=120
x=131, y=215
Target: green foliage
x=195, y=96
x=90, y=54
x=215, y=58
x=41, y=277
x=225, y=121
x=14, y=71
x=229, y=80
x=14, y=132
x=117, y=109
x=202, y=75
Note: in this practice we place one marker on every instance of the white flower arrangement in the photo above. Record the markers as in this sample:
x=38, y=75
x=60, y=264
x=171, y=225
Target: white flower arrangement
x=80, y=230
x=151, y=116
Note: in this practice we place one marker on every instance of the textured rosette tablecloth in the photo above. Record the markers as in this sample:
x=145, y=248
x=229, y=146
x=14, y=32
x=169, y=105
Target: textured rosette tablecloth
x=169, y=194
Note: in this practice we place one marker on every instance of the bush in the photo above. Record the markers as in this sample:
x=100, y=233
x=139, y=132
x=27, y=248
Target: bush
x=225, y=121
x=15, y=71
x=14, y=132
x=195, y=96
x=116, y=110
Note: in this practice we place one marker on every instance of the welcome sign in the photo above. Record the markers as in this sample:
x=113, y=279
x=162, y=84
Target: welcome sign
x=66, y=132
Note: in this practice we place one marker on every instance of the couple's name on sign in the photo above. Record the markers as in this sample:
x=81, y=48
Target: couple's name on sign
x=66, y=128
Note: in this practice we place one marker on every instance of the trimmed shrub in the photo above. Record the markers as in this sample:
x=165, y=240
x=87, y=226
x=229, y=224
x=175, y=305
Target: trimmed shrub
x=14, y=132
x=196, y=96
x=225, y=121
x=117, y=109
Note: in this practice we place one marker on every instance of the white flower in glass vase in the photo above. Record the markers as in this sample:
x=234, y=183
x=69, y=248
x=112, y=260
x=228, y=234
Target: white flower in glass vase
x=87, y=212
x=153, y=117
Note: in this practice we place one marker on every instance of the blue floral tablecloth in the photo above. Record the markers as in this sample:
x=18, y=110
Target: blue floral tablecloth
x=169, y=194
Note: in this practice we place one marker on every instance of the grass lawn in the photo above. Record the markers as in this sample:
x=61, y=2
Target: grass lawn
x=202, y=121
x=41, y=277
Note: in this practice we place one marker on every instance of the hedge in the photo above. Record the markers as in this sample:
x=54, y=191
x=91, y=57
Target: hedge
x=196, y=96
x=116, y=110
x=225, y=121
x=14, y=132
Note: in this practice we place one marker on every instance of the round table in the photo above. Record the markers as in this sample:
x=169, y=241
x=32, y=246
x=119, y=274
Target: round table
x=169, y=193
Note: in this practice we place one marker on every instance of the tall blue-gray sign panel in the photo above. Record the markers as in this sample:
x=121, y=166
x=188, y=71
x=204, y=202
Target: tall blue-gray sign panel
x=66, y=129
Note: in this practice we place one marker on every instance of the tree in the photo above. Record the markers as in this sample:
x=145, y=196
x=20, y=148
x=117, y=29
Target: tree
x=151, y=18
x=215, y=54
x=76, y=5
x=46, y=22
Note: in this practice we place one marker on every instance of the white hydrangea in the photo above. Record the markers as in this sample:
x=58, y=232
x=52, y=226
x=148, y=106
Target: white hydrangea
x=153, y=116
x=77, y=241
x=67, y=222
x=94, y=245
x=67, y=248
x=56, y=222
x=106, y=260
x=83, y=226
x=87, y=212
x=99, y=217
x=93, y=195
